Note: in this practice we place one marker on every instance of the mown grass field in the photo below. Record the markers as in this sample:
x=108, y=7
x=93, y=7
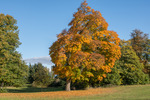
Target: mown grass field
x=132, y=92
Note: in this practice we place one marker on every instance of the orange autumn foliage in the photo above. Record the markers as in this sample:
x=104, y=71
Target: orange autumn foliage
x=86, y=47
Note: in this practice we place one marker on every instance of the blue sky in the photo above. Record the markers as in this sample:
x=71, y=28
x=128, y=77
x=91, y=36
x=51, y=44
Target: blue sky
x=40, y=20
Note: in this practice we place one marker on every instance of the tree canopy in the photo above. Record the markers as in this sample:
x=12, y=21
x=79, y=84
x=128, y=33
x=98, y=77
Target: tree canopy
x=39, y=75
x=13, y=70
x=87, y=49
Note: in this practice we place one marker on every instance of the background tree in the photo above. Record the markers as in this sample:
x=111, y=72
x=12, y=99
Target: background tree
x=13, y=71
x=146, y=56
x=87, y=49
x=132, y=68
x=31, y=74
x=141, y=45
x=39, y=75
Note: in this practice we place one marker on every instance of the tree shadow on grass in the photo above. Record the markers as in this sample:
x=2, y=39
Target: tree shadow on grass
x=34, y=89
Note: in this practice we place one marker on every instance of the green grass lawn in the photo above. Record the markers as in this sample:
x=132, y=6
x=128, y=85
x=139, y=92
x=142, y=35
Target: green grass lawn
x=132, y=92
x=136, y=92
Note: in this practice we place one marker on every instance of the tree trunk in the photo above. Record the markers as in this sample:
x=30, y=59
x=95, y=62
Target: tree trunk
x=68, y=82
x=2, y=84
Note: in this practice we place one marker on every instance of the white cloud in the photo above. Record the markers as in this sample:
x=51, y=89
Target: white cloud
x=44, y=60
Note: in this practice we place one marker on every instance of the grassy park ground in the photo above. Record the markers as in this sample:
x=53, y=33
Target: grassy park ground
x=132, y=92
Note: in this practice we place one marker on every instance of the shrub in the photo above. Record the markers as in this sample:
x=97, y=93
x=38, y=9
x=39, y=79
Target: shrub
x=58, y=83
x=4, y=90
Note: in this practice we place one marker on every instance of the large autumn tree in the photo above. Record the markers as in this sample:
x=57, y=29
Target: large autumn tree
x=87, y=49
x=13, y=71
